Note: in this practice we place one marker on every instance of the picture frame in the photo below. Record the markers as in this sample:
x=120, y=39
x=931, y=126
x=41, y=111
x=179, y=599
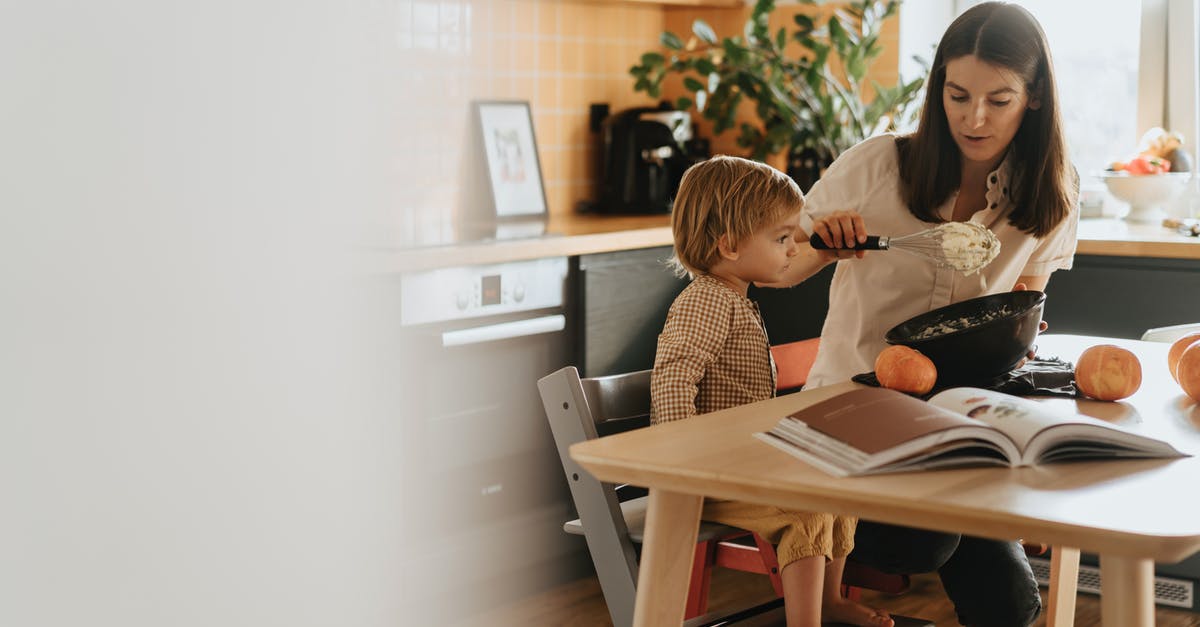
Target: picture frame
x=513, y=168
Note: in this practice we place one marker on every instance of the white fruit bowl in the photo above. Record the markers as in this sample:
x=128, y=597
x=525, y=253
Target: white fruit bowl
x=1145, y=194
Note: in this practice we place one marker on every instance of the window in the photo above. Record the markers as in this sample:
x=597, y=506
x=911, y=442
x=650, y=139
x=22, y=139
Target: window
x=1095, y=53
x=1111, y=60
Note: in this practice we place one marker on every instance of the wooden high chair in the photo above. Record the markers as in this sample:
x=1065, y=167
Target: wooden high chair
x=581, y=409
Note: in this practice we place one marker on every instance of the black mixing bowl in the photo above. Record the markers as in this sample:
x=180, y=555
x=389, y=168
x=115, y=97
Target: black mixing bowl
x=974, y=340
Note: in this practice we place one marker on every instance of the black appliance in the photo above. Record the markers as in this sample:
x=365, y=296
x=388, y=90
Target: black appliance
x=645, y=152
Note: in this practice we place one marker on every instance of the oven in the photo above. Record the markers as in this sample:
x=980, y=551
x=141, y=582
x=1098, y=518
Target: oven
x=484, y=494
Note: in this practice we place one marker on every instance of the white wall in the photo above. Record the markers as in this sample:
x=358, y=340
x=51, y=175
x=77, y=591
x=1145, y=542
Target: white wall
x=922, y=23
x=187, y=435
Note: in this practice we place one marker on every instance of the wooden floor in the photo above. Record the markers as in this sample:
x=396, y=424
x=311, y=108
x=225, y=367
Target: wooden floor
x=581, y=604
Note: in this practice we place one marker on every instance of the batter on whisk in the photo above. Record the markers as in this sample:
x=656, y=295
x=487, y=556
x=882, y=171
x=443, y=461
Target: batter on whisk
x=968, y=246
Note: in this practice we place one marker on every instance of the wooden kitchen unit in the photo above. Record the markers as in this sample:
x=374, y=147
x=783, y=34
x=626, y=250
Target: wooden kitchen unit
x=583, y=234
x=1126, y=278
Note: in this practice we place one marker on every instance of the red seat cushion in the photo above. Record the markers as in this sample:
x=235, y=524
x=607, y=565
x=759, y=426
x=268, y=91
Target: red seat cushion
x=793, y=361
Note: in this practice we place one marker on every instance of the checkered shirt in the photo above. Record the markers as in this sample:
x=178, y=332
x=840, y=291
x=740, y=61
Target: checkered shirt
x=712, y=354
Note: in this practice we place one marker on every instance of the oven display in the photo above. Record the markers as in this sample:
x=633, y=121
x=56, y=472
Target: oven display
x=490, y=288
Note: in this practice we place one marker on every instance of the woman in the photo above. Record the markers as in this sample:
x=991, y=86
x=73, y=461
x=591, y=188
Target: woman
x=989, y=148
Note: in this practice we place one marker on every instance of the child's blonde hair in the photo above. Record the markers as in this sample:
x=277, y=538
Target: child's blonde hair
x=727, y=196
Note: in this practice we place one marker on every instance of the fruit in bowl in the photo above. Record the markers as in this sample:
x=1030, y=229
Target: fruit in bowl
x=1159, y=152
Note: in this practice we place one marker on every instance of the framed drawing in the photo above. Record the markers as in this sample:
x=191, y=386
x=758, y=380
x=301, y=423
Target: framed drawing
x=514, y=170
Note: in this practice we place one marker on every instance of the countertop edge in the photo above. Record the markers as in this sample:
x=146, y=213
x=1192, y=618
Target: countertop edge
x=584, y=235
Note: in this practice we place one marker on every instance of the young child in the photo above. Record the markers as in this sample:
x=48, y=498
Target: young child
x=734, y=222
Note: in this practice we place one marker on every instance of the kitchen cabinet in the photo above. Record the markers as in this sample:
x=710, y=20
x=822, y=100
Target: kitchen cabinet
x=795, y=313
x=622, y=300
x=1123, y=296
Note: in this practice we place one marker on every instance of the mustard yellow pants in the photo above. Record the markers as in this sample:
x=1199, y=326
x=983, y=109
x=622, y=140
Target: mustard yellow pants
x=796, y=535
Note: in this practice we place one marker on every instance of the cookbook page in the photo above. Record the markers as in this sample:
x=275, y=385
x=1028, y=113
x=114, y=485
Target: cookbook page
x=1020, y=418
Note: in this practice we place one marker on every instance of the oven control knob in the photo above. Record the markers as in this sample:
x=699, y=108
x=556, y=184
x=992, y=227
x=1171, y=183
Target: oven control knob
x=462, y=301
x=519, y=292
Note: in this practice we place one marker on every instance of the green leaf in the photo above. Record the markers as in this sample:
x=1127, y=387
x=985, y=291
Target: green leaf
x=856, y=67
x=798, y=100
x=704, y=31
x=870, y=44
x=735, y=54
x=838, y=35
x=653, y=59
x=763, y=7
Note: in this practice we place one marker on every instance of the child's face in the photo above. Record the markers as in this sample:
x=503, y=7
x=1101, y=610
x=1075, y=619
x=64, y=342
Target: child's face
x=765, y=256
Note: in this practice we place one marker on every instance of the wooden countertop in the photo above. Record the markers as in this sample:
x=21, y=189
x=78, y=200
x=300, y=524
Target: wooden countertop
x=1118, y=238
x=565, y=236
x=586, y=234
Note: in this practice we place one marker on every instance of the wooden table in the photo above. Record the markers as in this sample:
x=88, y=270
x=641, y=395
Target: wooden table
x=1132, y=513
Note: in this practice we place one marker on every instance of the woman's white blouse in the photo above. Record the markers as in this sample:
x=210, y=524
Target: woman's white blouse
x=871, y=295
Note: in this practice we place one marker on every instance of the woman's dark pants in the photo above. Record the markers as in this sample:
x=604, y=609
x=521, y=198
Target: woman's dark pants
x=989, y=581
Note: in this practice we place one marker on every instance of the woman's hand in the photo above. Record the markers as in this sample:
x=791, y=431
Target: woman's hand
x=840, y=231
x=1042, y=326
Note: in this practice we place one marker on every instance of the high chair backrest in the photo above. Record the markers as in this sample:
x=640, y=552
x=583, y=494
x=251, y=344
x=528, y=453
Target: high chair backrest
x=583, y=409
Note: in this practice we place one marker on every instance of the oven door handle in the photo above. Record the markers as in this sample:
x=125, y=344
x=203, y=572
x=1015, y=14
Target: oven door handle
x=504, y=330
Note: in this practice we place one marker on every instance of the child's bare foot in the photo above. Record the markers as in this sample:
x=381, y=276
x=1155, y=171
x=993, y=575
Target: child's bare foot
x=846, y=611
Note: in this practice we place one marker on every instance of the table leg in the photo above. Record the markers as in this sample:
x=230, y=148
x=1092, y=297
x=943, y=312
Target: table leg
x=672, y=520
x=1064, y=578
x=1126, y=591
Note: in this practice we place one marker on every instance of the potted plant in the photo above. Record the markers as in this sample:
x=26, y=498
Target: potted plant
x=806, y=105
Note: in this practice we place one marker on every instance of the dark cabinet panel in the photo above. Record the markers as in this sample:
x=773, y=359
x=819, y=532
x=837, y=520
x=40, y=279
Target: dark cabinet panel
x=1123, y=296
x=623, y=298
x=795, y=313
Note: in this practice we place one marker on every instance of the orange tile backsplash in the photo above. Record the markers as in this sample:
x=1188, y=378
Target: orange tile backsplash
x=560, y=55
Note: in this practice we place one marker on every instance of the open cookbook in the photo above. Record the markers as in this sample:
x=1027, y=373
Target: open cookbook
x=875, y=430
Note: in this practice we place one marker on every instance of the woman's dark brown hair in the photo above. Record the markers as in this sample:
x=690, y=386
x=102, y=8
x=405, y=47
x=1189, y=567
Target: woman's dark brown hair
x=1007, y=36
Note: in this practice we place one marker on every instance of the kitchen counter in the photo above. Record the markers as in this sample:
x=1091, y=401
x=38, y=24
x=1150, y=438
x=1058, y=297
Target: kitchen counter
x=565, y=236
x=587, y=234
x=1118, y=238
